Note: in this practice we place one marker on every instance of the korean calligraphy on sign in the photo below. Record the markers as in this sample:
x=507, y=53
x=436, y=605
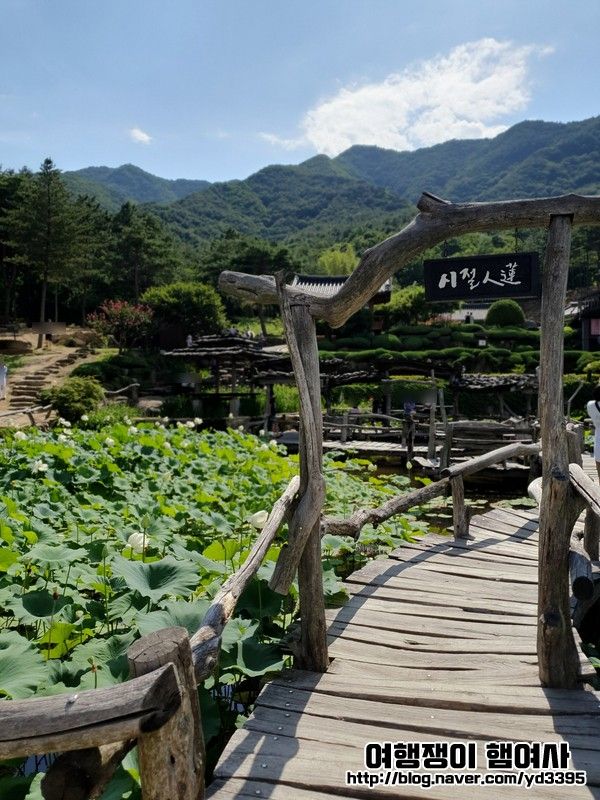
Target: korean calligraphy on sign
x=482, y=277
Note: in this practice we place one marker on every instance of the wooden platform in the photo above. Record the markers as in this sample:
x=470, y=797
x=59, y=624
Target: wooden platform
x=437, y=643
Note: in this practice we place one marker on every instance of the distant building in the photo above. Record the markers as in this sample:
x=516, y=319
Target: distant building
x=329, y=285
x=584, y=314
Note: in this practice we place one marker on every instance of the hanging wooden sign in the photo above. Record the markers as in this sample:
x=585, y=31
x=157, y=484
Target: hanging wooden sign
x=482, y=277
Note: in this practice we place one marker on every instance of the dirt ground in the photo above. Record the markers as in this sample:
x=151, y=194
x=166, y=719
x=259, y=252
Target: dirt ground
x=38, y=362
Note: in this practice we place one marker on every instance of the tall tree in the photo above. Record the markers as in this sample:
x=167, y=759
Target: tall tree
x=11, y=184
x=145, y=253
x=42, y=230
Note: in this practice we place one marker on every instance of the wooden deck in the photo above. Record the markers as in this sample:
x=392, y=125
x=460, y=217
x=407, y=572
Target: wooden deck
x=437, y=643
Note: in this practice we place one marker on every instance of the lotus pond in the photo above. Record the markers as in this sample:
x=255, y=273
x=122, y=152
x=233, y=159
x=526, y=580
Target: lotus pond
x=108, y=534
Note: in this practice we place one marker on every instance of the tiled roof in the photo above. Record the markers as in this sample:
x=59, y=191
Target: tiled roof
x=329, y=285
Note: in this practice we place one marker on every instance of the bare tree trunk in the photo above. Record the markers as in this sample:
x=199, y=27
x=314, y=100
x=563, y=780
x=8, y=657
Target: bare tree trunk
x=40, y=342
x=557, y=652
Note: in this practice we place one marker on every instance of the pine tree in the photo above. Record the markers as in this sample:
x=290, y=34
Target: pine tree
x=42, y=231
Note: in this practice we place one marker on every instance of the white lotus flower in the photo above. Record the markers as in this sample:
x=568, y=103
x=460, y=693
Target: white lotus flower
x=132, y=429
x=261, y=432
x=198, y=421
x=258, y=520
x=20, y=436
x=189, y=424
x=62, y=438
x=230, y=415
x=241, y=428
x=84, y=417
x=64, y=422
x=273, y=444
x=168, y=446
x=165, y=419
x=109, y=442
x=39, y=466
x=138, y=542
x=264, y=447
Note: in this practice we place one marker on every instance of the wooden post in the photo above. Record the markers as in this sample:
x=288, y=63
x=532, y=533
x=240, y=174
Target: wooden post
x=557, y=652
x=447, y=449
x=432, y=412
x=460, y=519
x=172, y=756
x=344, y=429
x=442, y=405
x=591, y=534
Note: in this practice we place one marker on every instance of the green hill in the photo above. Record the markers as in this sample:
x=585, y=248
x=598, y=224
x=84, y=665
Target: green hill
x=113, y=187
x=280, y=201
x=365, y=188
x=530, y=159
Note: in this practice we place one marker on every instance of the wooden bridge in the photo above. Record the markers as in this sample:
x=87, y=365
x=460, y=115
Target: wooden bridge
x=437, y=644
x=442, y=643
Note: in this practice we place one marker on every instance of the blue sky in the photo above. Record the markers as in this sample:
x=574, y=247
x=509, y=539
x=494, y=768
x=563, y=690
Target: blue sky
x=217, y=89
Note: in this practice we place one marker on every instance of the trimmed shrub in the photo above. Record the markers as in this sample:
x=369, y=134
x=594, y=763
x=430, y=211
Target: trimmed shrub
x=195, y=306
x=504, y=314
x=74, y=397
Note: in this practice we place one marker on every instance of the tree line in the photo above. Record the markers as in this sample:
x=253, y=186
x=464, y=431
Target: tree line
x=62, y=256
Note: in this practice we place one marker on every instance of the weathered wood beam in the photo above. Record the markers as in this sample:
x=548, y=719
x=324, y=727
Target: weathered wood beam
x=591, y=534
x=352, y=526
x=489, y=459
x=437, y=220
x=91, y=718
x=302, y=553
x=558, y=657
x=206, y=642
x=302, y=343
x=586, y=487
x=83, y=774
x=460, y=519
x=580, y=570
x=172, y=758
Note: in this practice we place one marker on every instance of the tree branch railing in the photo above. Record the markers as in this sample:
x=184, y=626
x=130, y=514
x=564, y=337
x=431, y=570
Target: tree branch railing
x=163, y=715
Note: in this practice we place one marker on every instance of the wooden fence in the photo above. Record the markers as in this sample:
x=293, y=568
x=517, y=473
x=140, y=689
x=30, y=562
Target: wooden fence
x=157, y=709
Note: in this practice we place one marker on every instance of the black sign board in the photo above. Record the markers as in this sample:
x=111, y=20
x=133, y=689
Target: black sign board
x=482, y=277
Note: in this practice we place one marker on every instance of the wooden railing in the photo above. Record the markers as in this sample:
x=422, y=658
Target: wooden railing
x=29, y=412
x=157, y=708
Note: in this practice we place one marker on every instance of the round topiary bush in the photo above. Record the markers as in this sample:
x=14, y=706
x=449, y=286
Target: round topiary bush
x=505, y=314
x=75, y=396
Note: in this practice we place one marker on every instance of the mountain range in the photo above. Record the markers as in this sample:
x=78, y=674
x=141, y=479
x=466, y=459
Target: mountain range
x=114, y=186
x=364, y=185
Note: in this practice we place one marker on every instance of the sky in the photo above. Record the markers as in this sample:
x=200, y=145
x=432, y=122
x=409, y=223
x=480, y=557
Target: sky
x=217, y=89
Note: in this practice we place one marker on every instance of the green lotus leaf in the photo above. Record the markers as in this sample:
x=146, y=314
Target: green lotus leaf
x=31, y=606
x=59, y=639
x=157, y=579
x=7, y=558
x=22, y=668
x=186, y=615
x=55, y=554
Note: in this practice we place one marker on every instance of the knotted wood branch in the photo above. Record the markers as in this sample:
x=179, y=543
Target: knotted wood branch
x=206, y=642
x=352, y=525
x=437, y=220
x=301, y=337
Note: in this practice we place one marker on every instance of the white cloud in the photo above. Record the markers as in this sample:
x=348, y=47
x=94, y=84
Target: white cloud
x=139, y=136
x=464, y=94
x=285, y=144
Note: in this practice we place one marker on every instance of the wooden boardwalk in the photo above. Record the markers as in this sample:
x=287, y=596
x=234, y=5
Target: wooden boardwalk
x=437, y=643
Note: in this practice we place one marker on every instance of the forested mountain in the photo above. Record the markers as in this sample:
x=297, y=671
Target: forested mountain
x=113, y=187
x=530, y=159
x=280, y=201
x=369, y=185
x=364, y=186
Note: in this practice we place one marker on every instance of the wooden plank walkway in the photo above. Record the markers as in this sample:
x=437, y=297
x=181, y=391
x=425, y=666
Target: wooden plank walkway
x=437, y=643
